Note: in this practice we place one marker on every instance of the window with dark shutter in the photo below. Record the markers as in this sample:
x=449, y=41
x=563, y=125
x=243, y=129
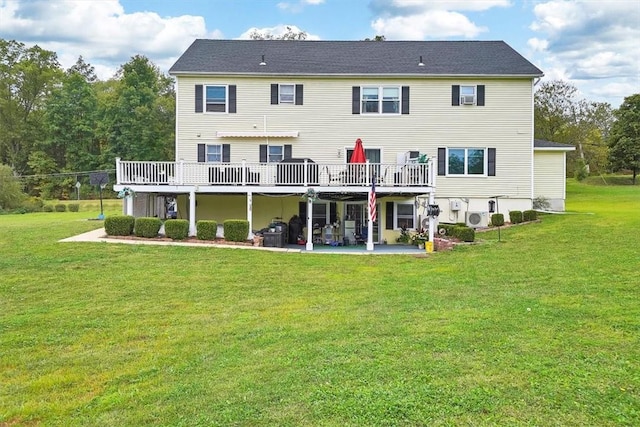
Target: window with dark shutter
x=287, y=151
x=442, y=161
x=355, y=100
x=491, y=161
x=202, y=153
x=388, y=223
x=226, y=153
x=405, y=100
x=263, y=153
x=274, y=94
x=199, y=101
x=480, y=95
x=455, y=95
x=232, y=99
x=299, y=94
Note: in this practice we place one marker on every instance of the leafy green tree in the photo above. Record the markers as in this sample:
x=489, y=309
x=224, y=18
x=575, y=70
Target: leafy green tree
x=11, y=195
x=624, y=141
x=140, y=118
x=27, y=75
x=560, y=116
x=290, y=34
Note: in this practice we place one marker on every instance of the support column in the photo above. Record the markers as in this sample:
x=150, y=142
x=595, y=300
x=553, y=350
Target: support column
x=129, y=205
x=192, y=213
x=250, y=214
x=309, y=246
x=432, y=224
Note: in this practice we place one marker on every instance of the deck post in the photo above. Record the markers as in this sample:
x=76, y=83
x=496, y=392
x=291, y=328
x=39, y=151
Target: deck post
x=309, y=246
x=250, y=213
x=192, y=213
x=118, y=172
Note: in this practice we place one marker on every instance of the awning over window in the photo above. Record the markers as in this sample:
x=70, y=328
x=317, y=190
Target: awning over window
x=258, y=134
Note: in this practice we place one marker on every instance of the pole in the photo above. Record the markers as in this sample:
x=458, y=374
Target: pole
x=101, y=216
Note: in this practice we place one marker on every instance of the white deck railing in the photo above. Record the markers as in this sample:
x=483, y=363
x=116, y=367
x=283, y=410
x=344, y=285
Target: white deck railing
x=287, y=173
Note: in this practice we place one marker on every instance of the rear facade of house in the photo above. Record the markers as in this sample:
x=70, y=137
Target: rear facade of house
x=262, y=124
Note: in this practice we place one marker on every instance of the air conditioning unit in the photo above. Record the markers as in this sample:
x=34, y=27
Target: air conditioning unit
x=477, y=219
x=467, y=99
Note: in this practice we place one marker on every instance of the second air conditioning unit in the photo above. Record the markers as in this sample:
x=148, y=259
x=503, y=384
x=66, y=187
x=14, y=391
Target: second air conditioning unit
x=477, y=219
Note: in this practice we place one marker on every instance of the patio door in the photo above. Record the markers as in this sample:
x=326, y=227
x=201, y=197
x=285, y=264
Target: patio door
x=357, y=212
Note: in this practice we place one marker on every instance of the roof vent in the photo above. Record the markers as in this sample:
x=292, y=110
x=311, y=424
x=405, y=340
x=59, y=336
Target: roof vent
x=420, y=64
x=263, y=63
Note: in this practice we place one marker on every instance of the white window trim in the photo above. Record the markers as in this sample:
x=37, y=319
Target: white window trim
x=395, y=214
x=226, y=100
x=293, y=99
x=475, y=95
x=485, y=162
x=380, y=100
x=269, y=152
x=206, y=153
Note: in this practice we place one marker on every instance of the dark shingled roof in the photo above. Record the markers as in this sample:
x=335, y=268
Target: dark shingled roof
x=441, y=58
x=541, y=143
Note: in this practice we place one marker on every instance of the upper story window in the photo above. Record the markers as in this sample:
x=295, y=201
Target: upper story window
x=466, y=161
x=216, y=99
x=214, y=153
x=389, y=100
x=467, y=95
x=286, y=93
x=380, y=100
x=275, y=153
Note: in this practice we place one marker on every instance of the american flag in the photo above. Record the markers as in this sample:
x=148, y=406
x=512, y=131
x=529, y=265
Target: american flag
x=372, y=201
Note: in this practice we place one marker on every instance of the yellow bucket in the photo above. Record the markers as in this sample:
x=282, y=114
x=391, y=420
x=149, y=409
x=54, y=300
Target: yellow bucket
x=428, y=247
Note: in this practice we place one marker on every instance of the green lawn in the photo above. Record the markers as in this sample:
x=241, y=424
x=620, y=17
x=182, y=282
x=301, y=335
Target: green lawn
x=541, y=328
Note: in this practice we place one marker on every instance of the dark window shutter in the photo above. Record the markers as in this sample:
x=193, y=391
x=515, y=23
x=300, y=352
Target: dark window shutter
x=480, y=95
x=299, y=94
x=199, y=104
x=263, y=153
x=355, y=100
x=389, y=216
x=226, y=153
x=491, y=161
x=202, y=153
x=442, y=161
x=274, y=94
x=232, y=98
x=405, y=99
x=455, y=95
x=287, y=151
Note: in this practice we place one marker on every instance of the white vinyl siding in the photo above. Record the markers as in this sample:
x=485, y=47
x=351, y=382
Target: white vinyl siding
x=327, y=127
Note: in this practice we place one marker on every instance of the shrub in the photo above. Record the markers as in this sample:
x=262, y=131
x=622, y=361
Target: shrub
x=529, y=215
x=47, y=208
x=448, y=228
x=176, y=229
x=236, y=230
x=119, y=225
x=74, y=207
x=60, y=207
x=32, y=204
x=147, y=227
x=464, y=233
x=206, y=229
x=497, y=219
x=515, y=217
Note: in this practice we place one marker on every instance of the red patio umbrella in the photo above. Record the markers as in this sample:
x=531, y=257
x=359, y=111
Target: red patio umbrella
x=358, y=153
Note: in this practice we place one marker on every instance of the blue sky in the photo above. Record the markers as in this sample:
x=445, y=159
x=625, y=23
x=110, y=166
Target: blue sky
x=593, y=44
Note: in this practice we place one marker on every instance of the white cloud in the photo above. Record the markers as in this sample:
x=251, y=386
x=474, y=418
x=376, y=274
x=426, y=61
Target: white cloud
x=100, y=31
x=298, y=7
x=421, y=19
x=594, y=43
x=436, y=23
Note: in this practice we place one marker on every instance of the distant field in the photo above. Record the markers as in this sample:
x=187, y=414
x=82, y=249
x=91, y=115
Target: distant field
x=541, y=328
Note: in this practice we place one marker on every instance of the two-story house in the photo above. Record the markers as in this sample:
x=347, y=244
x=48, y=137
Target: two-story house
x=261, y=124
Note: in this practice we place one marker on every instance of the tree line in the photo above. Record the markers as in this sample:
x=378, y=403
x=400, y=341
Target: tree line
x=57, y=123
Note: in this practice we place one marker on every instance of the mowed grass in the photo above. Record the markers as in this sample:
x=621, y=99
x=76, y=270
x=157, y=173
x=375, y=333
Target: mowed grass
x=541, y=328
